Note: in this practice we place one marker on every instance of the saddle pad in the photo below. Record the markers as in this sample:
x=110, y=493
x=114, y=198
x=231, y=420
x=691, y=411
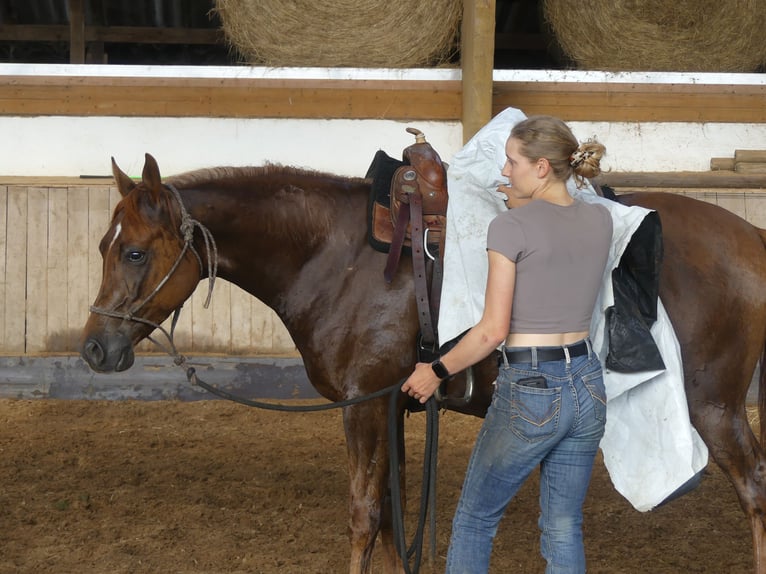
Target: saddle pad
x=380, y=230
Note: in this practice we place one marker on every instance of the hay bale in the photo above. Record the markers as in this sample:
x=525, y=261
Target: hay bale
x=660, y=35
x=353, y=33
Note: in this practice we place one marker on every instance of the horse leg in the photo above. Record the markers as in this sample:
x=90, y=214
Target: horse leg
x=726, y=431
x=366, y=438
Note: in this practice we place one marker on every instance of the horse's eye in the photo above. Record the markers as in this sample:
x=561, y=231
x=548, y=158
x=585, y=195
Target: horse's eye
x=135, y=256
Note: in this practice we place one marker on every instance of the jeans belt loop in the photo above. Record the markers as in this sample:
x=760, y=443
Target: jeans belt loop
x=533, y=350
x=505, y=357
x=590, y=347
x=566, y=355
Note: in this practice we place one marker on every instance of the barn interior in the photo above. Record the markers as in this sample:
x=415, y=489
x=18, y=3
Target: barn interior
x=189, y=32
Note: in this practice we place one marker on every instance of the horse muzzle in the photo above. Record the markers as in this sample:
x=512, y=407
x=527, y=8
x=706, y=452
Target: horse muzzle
x=113, y=354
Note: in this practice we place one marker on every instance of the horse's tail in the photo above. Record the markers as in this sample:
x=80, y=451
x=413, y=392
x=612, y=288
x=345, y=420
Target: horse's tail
x=762, y=373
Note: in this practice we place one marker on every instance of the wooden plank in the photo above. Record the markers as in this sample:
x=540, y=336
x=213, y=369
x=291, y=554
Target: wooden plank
x=263, y=320
x=185, y=97
x=78, y=252
x=682, y=179
x=56, y=181
x=722, y=163
x=734, y=203
x=202, y=319
x=57, y=332
x=5, y=230
x=99, y=216
x=756, y=211
x=241, y=320
x=356, y=99
x=750, y=156
x=112, y=34
x=477, y=59
x=16, y=272
x=220, y=314
x=634, y=102
x=750, y=168
x=76, y=31
x=37, y=269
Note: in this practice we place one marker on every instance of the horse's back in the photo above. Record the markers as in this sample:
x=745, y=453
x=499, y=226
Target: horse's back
x=713, y=286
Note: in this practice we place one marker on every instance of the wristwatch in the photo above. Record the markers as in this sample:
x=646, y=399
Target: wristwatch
x=440, y=370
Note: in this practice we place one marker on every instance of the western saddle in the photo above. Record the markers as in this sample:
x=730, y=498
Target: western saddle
x=410, y=214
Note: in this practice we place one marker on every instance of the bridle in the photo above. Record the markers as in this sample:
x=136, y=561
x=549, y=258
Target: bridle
x=188, y=224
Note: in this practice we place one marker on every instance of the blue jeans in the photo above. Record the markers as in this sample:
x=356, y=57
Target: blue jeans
x=558, y=428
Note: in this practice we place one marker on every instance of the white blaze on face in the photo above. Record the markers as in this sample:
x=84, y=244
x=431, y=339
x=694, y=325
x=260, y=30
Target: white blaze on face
x=117, y=231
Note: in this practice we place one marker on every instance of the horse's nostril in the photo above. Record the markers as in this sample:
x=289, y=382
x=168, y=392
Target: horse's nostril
x=93, y=352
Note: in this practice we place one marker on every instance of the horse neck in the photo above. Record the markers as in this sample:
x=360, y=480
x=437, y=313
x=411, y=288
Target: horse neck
x=267, y=237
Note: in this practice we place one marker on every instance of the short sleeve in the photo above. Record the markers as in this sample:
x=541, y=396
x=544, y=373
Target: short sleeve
x=506, y=236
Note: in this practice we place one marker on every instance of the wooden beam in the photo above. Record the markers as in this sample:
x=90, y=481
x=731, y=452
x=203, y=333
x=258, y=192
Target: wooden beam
x=382, y=99
x=682, y=180
x=634, y=102
x=76, y=31
x=477, y=60
x=231, y=97
x=114, y=34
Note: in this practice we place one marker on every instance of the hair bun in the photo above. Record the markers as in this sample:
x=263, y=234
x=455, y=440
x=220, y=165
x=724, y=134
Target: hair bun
x=580, y=155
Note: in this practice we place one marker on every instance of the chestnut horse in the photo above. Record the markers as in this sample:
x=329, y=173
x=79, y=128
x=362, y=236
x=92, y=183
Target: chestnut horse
x=297, y=240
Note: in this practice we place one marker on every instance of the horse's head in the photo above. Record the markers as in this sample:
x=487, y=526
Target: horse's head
x=149, y=269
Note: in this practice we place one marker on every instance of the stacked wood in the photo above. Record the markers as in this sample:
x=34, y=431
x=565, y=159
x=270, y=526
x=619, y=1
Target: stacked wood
x=745, y=161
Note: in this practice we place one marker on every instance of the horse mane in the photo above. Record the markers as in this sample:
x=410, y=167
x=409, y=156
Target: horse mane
x=230, y=173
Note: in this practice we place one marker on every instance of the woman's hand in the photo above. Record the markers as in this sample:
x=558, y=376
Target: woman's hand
x=422, y=383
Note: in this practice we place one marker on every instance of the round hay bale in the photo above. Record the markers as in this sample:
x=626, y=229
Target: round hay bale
x=661, y=35
x=351, y=33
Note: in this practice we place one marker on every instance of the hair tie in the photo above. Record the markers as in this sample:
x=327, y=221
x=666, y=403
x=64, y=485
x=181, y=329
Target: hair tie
x=579, y=156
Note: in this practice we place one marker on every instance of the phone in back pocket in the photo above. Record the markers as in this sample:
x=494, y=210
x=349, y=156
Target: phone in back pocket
x=535, y=382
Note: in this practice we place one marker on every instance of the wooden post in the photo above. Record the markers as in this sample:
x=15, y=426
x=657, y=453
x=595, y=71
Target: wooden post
x=477, y=56
x=76, y=31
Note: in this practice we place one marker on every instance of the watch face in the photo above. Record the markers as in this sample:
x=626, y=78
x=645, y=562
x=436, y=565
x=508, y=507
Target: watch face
x=440, y=370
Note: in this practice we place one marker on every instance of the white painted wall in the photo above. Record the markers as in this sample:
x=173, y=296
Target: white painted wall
x=74, y=146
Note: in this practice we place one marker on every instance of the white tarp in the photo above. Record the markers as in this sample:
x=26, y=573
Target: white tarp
x=650, y=447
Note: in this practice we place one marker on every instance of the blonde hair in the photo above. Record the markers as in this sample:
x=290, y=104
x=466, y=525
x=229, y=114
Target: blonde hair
x=550, y=138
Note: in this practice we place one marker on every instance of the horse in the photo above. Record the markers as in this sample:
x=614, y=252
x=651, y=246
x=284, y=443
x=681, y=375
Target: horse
x=298, y=241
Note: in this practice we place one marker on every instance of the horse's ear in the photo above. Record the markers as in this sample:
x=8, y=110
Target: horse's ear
x=124, y=183
x=151, y=173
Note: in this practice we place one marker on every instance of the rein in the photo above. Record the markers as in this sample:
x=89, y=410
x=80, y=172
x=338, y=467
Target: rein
x=427, y=501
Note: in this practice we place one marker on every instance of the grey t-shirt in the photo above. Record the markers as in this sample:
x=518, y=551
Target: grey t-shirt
x=560, y=254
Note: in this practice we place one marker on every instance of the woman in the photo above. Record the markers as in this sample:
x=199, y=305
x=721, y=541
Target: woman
x=547, y=257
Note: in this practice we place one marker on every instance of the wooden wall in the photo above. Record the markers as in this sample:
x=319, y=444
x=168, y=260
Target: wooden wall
x=50, y=272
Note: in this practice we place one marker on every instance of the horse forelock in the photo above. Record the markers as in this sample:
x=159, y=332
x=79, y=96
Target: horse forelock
x=142, y=209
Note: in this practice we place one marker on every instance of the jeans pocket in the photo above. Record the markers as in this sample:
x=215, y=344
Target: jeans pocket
x=594, y=382
x=535, y=412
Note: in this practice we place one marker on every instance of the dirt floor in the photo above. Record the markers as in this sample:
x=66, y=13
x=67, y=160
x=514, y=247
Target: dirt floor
x=214, y=487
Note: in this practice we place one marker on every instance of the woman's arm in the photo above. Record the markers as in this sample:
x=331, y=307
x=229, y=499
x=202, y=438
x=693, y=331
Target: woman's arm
x=483, y=338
